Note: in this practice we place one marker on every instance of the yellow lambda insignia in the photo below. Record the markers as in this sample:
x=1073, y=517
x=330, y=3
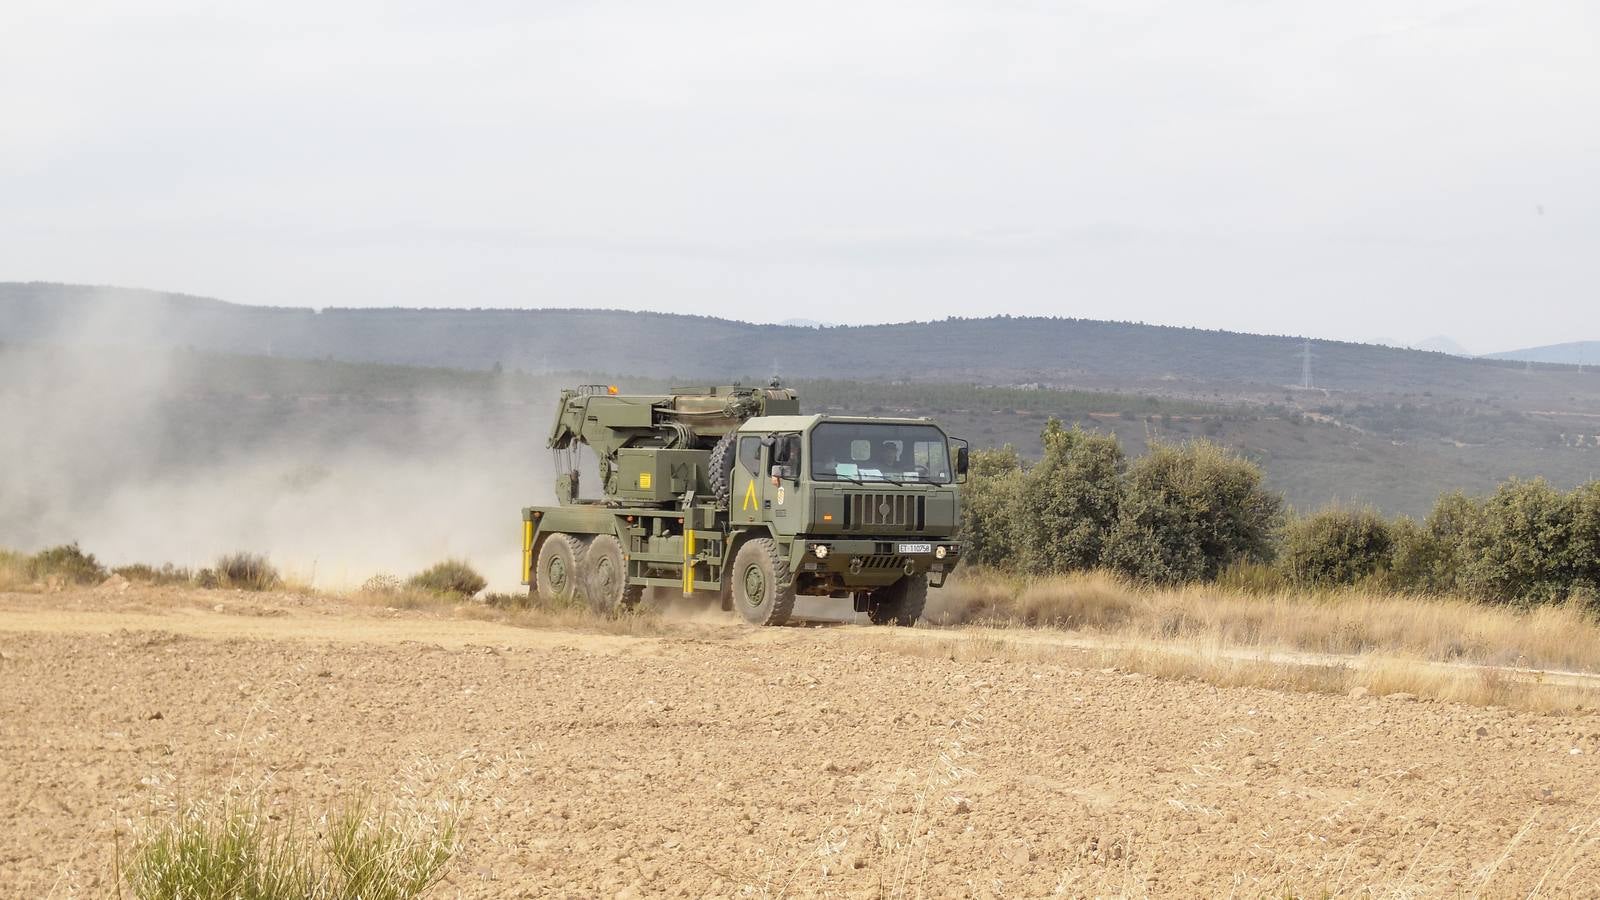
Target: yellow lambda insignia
x=750, y=496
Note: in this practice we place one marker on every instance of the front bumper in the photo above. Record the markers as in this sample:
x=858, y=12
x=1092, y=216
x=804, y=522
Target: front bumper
x=872, y=563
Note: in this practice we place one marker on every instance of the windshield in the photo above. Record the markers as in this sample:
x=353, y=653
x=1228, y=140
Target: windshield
x=868, y=451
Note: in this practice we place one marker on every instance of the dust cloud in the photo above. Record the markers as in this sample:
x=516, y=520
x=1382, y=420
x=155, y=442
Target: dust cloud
x=142, y=451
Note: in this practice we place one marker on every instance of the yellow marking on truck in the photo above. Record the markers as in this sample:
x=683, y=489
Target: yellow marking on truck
x=527, y=551
x=688, y=561
x=750, y=497
x=644, y=481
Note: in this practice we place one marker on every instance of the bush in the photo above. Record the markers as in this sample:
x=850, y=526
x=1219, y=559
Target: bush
x=245, y=571
x=1519, y=545
x=67, y=563
x=230, y=850
x=1188, y=512
x=989, y=507
x=1418, y=560
x=1335, y=547
x=453, y=576
x=1584, y=547
x=1069, y=501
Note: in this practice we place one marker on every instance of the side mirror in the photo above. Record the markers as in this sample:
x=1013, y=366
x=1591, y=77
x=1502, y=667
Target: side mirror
x=783, y=472
x=962, y=460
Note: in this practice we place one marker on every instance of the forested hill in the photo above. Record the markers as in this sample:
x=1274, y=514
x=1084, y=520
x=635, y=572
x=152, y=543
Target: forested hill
x=1003, y=349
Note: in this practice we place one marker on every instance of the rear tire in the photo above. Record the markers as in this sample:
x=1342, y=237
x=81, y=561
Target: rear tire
x=606, y=577
x=900, y=603
x=557, y=573
x=763, y=592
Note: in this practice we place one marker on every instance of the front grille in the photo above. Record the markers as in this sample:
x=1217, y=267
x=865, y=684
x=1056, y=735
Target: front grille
x=871, y=512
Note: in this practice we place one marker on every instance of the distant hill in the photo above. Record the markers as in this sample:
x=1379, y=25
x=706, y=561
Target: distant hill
x=1442, y=343
x=1576, y=353
x=1052, y=352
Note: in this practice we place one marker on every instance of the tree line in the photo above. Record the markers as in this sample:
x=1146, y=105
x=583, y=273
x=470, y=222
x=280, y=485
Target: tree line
x=1195, y=512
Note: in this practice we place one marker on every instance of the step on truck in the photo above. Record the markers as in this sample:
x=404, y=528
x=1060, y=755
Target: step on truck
x=730, y=490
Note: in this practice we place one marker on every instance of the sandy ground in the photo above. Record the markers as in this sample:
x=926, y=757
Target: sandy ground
x=719, y=760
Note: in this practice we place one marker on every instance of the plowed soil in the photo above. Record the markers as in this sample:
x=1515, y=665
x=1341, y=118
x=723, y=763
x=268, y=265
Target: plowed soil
x=719, y=760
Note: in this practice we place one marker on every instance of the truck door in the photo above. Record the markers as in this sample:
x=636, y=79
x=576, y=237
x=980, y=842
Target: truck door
x=749, y=488
x=755, y=497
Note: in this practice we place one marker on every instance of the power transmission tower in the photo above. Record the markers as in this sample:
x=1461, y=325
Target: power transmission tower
x=1305, y=365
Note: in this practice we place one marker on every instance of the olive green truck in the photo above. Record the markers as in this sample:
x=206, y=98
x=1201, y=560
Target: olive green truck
x=730, y=490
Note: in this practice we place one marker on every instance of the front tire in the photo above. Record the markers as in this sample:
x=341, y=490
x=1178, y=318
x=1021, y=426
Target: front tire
x=557, y=573
x=763, y=592
x=900, y=603
x=606, y=577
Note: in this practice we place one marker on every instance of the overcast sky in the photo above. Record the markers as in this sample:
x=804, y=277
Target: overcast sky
x=1347, y=170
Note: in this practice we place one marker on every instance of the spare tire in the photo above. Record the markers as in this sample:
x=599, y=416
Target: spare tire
x=721, y=465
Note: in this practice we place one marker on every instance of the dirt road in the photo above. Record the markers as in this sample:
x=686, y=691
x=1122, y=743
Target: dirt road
x=717, y=760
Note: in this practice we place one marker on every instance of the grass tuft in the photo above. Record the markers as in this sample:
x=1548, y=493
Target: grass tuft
x=245, y=571
x=229, y=850
x=453, y=576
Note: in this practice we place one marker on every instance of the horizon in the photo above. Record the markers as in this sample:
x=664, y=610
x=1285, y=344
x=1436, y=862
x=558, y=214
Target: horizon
x=1376, y=342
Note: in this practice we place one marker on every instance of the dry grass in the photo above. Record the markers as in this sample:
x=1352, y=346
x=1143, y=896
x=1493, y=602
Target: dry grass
x=14, y=571
x=1349, y=622
x=1375, y=675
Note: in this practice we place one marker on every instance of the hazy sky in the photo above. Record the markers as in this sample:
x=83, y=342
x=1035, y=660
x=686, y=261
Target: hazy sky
x=1346, y=170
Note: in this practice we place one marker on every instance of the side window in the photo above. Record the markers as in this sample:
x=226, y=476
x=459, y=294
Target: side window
x=750, y=454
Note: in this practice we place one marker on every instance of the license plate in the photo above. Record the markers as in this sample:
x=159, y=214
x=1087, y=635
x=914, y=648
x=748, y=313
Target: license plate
x=916, y=548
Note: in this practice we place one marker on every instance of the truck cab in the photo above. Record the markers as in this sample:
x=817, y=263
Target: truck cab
x=857, y=504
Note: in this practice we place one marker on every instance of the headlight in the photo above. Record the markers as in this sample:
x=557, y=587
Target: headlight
x=940, y=551
x=821, y=551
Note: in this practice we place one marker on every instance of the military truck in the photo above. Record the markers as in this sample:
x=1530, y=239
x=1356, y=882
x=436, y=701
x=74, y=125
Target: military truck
x=730, y=490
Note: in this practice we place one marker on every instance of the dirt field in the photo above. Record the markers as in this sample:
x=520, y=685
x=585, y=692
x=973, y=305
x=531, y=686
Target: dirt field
x=718, y=760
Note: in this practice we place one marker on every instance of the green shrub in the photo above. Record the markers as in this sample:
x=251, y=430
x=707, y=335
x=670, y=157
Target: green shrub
x=453, y=576
x=228, y=851
x=67, y=563
x=1069, y=500
x=246, y=572
x=1335, y=547
x=1519, y=545
x=1584, y=547
x=989, y=507
x=1188, y=512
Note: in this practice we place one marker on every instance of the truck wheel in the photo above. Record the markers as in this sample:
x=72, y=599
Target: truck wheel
x=763, y=592
x=557, y=572
x=606, y=577
x=900, y=603
x=721, y=469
